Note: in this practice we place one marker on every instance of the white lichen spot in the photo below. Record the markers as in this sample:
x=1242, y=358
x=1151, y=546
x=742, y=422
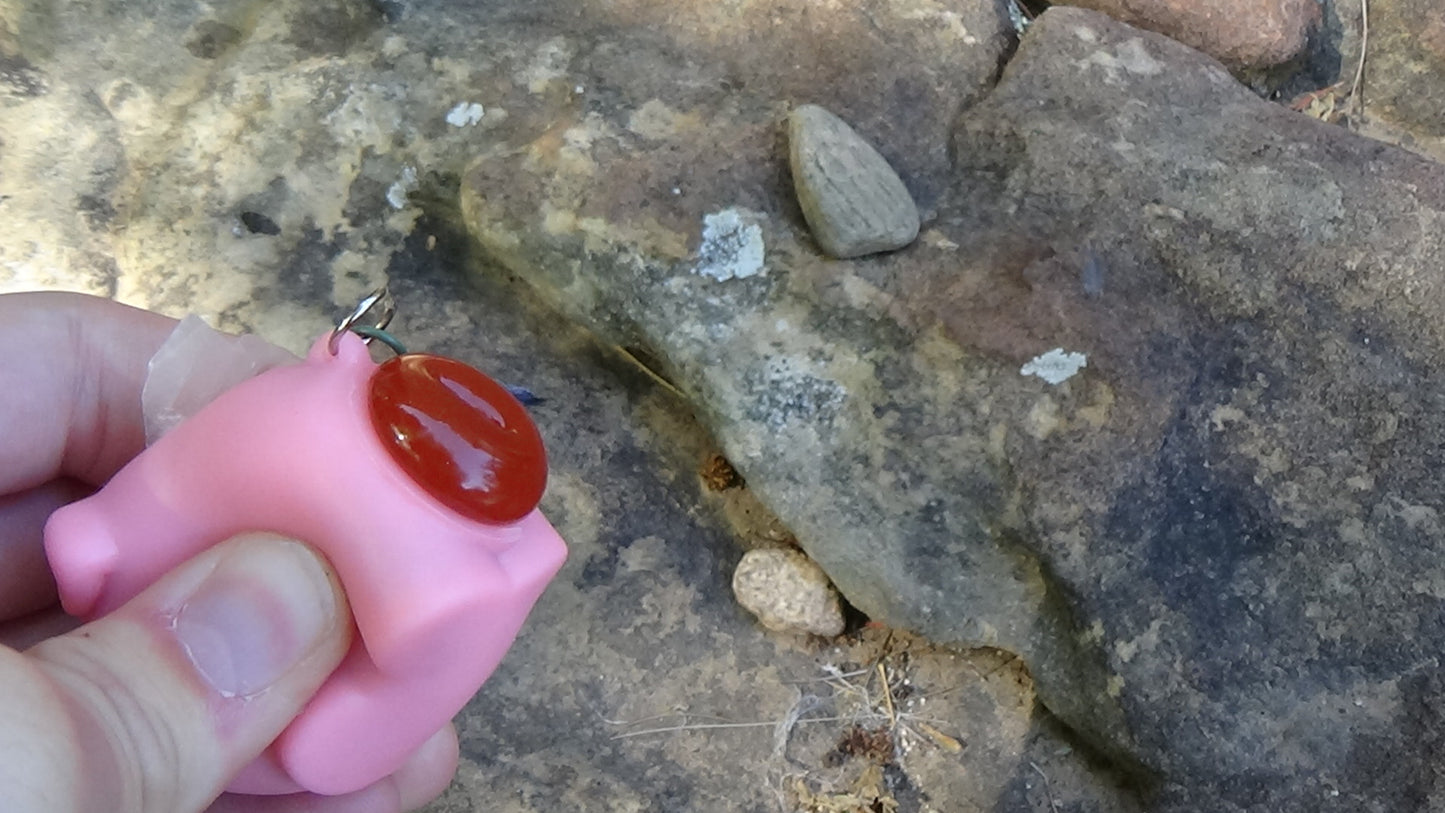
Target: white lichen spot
x=732, y=247
x=465, y=114
x=396, y=194
x=1055, y=366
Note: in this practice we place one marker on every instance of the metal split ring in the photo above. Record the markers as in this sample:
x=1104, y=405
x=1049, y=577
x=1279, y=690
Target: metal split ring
x=380, y=297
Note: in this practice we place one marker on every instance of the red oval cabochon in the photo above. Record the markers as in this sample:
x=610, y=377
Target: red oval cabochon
x=460, y=435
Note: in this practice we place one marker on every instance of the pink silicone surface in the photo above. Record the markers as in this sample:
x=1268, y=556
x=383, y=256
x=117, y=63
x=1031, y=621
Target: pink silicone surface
x=437, y=598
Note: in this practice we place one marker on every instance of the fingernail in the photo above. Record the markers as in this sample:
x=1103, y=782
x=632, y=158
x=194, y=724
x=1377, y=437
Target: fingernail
x=263, y=609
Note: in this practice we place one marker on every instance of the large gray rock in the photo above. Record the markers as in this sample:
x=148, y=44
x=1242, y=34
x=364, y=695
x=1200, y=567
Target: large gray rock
x=1218, y=545
x=1254, y=524
x=266, y=164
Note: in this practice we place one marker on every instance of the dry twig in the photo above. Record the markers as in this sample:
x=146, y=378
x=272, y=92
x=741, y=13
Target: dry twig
x=1330, y=104
x=1357, y=94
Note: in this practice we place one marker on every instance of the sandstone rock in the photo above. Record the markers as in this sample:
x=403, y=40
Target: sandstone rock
x=1405, y=78
x=1239, y=33
x=1399, y=99
x=788, y=592
x=266, y=164
x=1218, y=544
x=1243, y=541
x=853, y=200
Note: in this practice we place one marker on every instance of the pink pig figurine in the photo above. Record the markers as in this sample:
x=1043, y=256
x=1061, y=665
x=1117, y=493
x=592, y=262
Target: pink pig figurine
x=418, y=478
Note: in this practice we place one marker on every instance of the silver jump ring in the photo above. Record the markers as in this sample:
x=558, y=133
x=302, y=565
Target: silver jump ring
x=382, y=297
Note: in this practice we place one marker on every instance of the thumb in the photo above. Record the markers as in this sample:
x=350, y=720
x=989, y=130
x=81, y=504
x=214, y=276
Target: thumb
x=157, y=705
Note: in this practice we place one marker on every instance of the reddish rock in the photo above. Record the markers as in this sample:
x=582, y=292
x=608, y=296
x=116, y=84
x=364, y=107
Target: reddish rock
x=1239, y=33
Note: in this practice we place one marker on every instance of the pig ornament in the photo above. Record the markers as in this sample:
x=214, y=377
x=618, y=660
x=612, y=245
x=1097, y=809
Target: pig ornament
x=418, y=479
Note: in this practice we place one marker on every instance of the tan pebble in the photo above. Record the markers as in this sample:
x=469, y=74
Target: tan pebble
x=788, y=592
x=853, y=201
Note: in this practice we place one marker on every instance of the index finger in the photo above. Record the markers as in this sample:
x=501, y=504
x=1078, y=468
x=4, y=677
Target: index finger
x=70, y=387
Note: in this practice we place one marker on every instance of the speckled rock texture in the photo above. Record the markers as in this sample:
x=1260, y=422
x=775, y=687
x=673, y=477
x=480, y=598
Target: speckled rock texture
x=1253, y=527
x=1243, y=34
x=1406, y=59
x=1399, y=98
x=1217, y=545
x=865, y=428
x=265, y=165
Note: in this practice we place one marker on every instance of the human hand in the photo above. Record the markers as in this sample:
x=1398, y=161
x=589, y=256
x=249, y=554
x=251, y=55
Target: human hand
x=156, y=706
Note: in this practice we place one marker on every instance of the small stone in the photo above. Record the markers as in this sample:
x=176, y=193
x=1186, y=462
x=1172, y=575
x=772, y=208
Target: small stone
x=788, y=592
x=853, y=200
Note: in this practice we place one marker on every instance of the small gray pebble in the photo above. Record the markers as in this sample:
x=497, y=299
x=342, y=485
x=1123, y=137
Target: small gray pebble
x=853, y=201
